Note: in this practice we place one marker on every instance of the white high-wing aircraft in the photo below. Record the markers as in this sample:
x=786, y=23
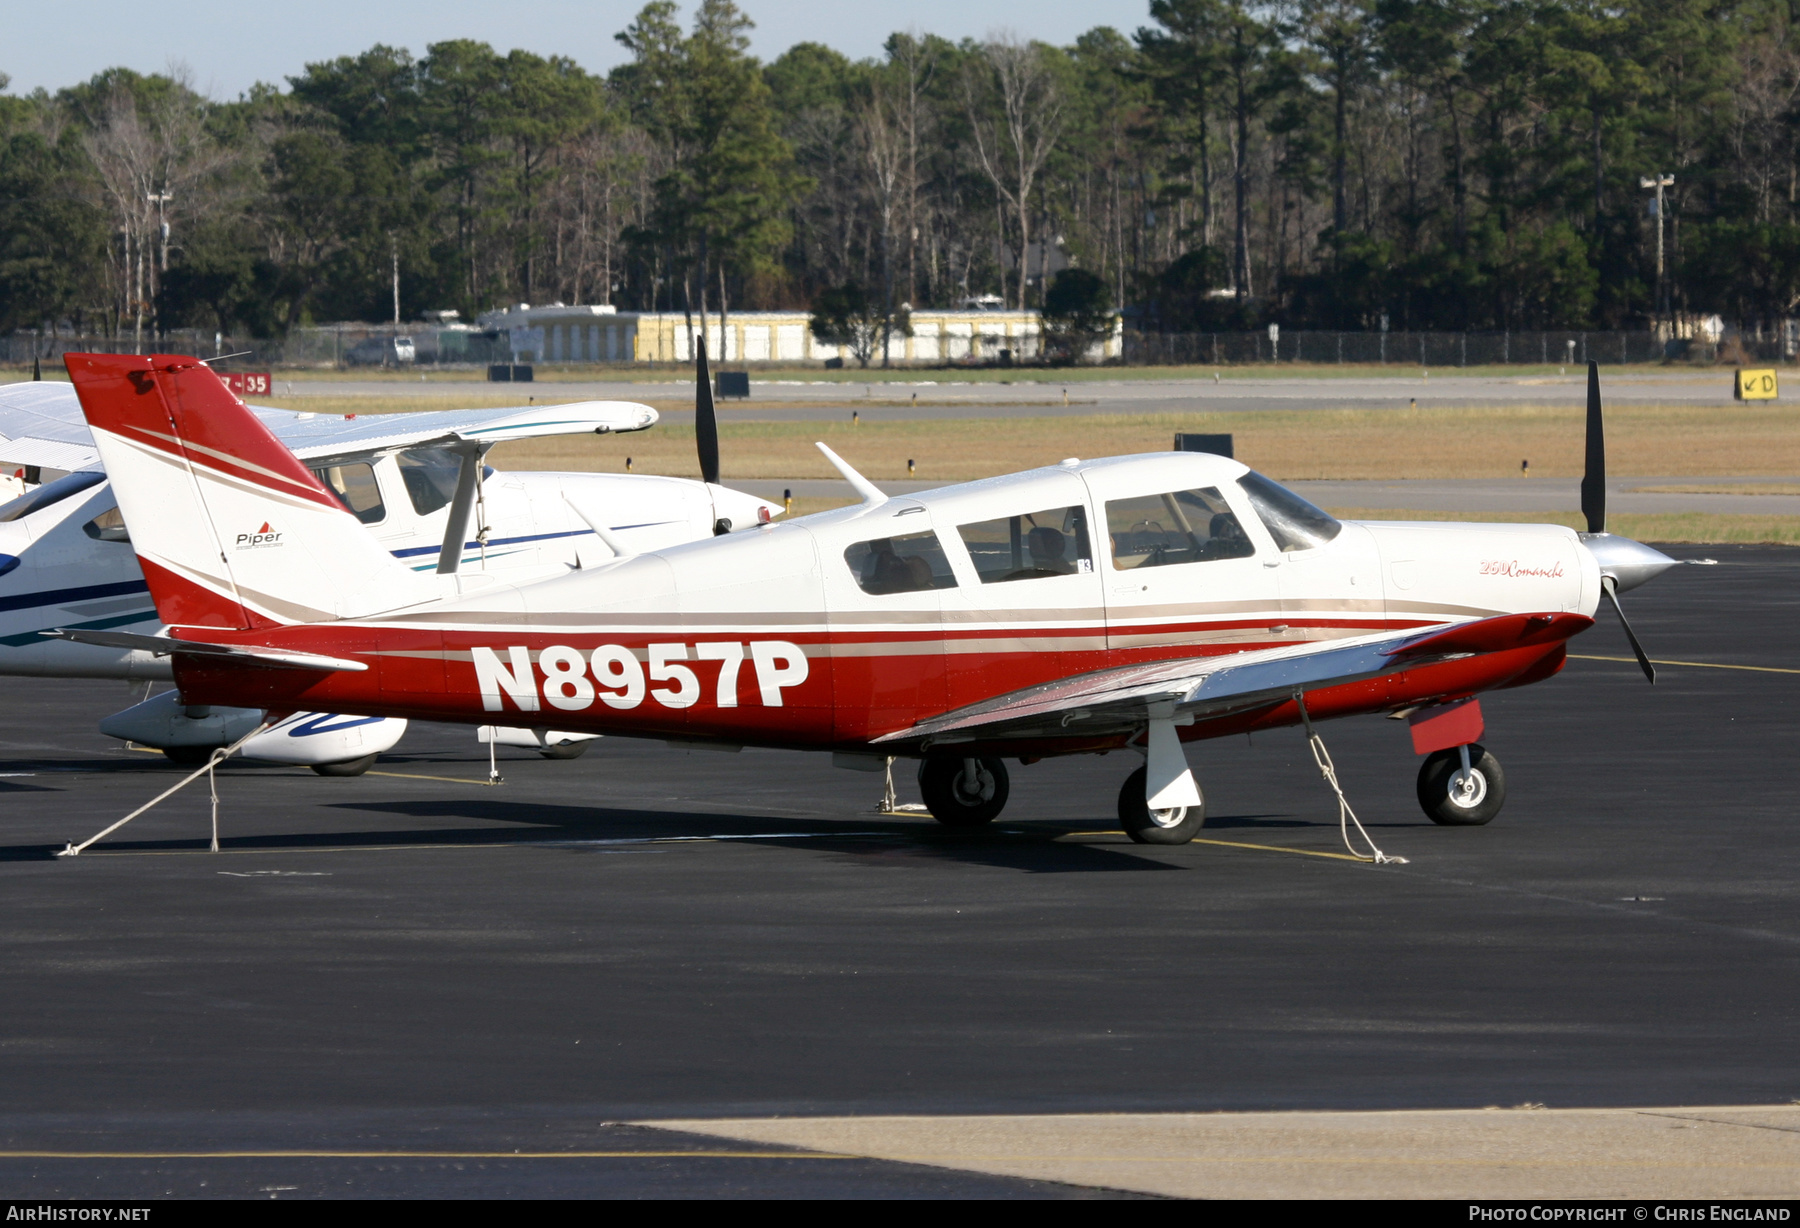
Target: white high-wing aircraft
x=65, y=558
x=1138, y=602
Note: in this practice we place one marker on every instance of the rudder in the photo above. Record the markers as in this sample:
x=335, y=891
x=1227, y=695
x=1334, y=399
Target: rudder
x=231, y=529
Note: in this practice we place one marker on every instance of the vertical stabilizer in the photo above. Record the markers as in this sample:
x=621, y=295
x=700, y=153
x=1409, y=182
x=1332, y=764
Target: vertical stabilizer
x=231, y=529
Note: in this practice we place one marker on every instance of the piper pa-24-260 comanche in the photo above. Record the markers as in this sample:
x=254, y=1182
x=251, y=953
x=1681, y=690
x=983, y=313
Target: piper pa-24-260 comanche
x=416, y=482
x=1136, y=602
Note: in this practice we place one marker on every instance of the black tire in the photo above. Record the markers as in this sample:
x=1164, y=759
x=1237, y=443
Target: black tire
x=564, y=750
x=941, y=785
x=1146, y=826
x=1449, y=807
x=349, y=767
x=188, y=756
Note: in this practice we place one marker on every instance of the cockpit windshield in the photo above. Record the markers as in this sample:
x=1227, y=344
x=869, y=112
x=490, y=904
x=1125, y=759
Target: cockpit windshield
x=1294, y=523
x=49, y=493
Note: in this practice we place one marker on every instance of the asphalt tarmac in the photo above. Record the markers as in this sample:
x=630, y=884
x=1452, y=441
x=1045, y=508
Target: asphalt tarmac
x=413, y=983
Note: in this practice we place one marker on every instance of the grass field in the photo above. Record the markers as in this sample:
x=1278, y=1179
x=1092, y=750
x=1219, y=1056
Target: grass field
x=1731, y=440
x=1728, y=440
x=1698, y=528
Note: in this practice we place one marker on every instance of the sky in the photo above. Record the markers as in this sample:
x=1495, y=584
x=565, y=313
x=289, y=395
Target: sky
x=229, y=45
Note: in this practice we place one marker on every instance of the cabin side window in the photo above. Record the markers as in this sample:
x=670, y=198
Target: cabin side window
x=1053, y=542
x=1182, y=526
x=354, y=485
x=430, y=477
x=911, y=563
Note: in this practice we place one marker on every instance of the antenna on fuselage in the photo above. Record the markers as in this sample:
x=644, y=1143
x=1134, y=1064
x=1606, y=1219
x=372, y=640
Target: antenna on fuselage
x=870, y=492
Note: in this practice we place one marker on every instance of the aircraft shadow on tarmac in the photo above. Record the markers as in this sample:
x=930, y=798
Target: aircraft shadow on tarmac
x=1033, y=849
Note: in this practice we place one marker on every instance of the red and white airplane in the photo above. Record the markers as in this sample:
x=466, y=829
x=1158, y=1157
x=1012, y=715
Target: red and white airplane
x=1139, y=601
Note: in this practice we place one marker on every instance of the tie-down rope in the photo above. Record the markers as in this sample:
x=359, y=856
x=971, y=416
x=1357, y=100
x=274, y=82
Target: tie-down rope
x=1346, y=815
x=217, y=757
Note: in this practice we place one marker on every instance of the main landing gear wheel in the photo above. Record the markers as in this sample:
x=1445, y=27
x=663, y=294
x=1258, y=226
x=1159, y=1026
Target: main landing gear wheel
x=1452, y=797
x=963, y=792
x=563, y=750
x=349, y=767
x=1177, y=825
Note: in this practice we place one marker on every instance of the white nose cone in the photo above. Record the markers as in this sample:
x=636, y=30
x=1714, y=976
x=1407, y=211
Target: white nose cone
x=1629, y=563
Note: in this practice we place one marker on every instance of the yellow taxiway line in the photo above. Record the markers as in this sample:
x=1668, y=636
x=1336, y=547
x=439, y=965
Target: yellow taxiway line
x=460, y=780
x=423, y=1155
x=1238, y=844
x=1760, y=669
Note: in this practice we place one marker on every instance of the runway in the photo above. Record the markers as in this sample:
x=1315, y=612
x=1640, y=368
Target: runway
x=940, y=394
x=394, y=983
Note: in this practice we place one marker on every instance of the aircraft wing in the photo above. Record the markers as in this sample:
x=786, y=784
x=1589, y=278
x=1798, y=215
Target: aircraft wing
x=1117, y=700
x=41, y=424
x=316, y=436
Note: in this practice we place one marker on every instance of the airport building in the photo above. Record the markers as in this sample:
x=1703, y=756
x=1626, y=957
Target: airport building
x=603, y=334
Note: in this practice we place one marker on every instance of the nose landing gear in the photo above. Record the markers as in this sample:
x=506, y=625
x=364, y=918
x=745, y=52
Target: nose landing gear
x=1461, y=787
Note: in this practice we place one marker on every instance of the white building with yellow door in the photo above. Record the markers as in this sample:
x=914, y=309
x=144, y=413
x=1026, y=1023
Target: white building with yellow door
x=602, y=334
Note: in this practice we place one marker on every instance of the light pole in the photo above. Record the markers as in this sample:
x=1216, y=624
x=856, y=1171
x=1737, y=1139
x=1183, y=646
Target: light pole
x=1657, y=183
x=161, y=201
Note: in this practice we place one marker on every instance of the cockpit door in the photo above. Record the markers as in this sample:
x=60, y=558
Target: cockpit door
x=1028, y=609
x=1183, y=576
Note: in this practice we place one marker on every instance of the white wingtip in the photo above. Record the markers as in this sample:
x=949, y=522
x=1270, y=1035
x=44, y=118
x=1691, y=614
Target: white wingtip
x=870, y=492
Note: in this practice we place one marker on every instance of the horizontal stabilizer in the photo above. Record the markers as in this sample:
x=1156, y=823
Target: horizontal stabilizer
x=162, y=646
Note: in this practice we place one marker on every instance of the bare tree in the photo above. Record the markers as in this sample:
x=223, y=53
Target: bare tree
x=1014, y=143
x=1762, y=137
x=882, y=128
x=153, y=169
x=915, y=61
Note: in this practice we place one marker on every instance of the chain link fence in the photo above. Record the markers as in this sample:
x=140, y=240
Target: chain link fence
x=353, y=345
x=1425, y=349
x=348, y=345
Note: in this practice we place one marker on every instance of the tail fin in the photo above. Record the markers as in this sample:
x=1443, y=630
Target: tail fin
x=231, y=529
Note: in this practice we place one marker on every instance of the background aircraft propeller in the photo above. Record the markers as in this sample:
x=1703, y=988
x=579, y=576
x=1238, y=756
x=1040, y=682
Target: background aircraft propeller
x=706, y=430
x=1593, y=478
x=1593, y=507
x=706, y=420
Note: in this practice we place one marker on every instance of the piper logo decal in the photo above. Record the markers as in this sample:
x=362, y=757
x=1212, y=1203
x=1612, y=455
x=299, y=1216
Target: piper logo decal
x=259, y=540
x=616, y=676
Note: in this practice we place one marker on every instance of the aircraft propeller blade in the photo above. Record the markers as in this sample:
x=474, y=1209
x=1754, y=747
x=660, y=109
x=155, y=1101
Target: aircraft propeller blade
x=1609, y=586
x=706, y=420
x=1593, y=478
